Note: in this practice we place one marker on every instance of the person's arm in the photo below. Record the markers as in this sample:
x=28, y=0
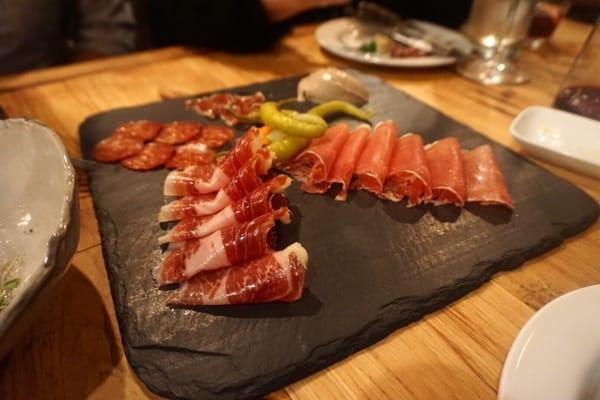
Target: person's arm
x=103, y=27
x=280, y=10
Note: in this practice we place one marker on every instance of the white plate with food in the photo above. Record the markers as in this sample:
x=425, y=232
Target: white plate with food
x=39, y=221
x=557, y=353
x=560, y=137
x=352, y=40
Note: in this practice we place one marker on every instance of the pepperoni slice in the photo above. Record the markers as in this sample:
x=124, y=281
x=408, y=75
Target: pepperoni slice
x=179, y=132
x=191, y=154
x=145, y=130
x=115, y=148
x=152, y=156
x=215, y=136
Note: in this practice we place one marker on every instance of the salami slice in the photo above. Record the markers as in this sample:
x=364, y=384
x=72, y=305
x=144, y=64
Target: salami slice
x=143, y=129
x=191, y=154
x=179, y=132
x=153, y=155
x=115, y=148
x=215, y=136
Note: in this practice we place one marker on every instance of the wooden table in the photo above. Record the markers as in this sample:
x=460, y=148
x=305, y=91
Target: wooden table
x=74, y=349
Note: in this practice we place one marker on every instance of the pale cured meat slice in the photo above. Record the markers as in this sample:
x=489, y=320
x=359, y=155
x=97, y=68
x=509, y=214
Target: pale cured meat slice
x=484, y=180
x=312, y=166
x=278, y=276
x=191, y=154
x=228, y=107
x=182, y=183
x=373, y=164
x=247, y=179
x=265, y=199
x=153, y=155
x=214, y=136
x=408, y=175
x=445, y=162
x=116, y=148
x=346, y=160
x=145, y=130
x=179, y=132
x=230, y=246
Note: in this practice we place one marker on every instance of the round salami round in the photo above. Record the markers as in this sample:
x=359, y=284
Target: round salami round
x=179, y=132
x=152, y=156
x=215, y=136
x=115, y=148
x=191, y=154
x=145, y=130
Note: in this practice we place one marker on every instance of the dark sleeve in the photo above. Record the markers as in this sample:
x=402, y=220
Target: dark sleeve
x=234, y=25
x=449, y=13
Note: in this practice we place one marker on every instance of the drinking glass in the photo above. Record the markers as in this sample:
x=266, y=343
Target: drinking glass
x=497, y=27
x=546, y=17
x=580, y=91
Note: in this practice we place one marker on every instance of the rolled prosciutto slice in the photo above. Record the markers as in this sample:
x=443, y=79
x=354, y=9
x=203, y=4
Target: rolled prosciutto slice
x=230, y=246
x=312, y=166
x=343, y=168
x=409, y=174
x=247, y=179
x=445, y=162
x=267, y=198
x=278, y=276
x=184, y=183
x=373, y=164
x=485, y=183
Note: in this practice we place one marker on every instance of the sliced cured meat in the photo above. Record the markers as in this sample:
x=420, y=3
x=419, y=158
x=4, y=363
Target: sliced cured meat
x=312, y=166
x=179, y=132
x=265, y=199
x=445, y=162
x=230, y=246
x=152, y=156
x=484, y=180
x=191, y=154
x=247, y=179
x=145, y=130
x=343, y=168
x=373, y=164
x=215, y=136
x=277, y=276
x=228, y=107
x=408, y=175
x=116, y=148
x=183, y=183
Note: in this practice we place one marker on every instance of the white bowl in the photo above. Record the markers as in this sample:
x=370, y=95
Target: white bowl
x=560, y=137
x=39, y=219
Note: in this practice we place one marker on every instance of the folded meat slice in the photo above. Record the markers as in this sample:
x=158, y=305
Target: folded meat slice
x=278, y=276
x=484, y=180
x=312, y=166
x=445, y=162
x=408, y=175
x=229, y=246
x=373, y=164
x=267, y=198
x=186, y=182
x=343, y=168
x=247, y=179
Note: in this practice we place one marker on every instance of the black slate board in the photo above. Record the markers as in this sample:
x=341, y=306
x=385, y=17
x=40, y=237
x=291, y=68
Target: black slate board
x=374, y=265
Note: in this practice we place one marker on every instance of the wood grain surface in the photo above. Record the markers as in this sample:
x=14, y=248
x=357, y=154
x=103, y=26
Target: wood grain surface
x=73, y=351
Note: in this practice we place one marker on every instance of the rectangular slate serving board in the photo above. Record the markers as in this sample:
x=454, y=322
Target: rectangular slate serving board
x=374, y=265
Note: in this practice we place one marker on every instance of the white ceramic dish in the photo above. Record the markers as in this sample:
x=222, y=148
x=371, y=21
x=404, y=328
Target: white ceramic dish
x=329, y=36
x=560, y=137
x=557, y=353
x=39, y=228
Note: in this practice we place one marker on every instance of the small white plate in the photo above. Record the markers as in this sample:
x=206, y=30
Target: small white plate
x=329, y=35
x=560, y=137
x=557, y=353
